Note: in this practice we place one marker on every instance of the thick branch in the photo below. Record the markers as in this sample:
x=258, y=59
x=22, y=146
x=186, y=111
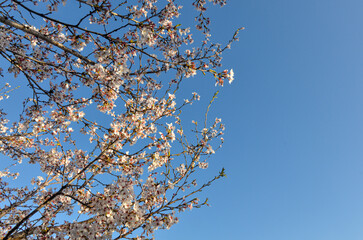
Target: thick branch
x=52, y=197
x=37, y=34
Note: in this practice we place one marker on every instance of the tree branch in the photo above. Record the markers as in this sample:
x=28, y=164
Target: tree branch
x=37, y=34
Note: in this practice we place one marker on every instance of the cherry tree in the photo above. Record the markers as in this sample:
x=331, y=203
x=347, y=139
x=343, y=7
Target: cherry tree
x=100, y=129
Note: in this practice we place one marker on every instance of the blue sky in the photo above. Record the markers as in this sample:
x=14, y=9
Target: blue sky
x=294, y=116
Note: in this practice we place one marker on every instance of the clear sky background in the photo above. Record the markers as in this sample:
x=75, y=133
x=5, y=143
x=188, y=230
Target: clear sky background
x=293, y=149
x=294, y=117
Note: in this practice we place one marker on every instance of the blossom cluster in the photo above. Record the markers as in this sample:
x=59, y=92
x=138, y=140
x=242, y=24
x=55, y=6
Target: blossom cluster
x=100, y=123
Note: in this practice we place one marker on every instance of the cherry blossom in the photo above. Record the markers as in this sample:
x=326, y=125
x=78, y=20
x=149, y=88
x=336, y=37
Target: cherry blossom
x=100, y=129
